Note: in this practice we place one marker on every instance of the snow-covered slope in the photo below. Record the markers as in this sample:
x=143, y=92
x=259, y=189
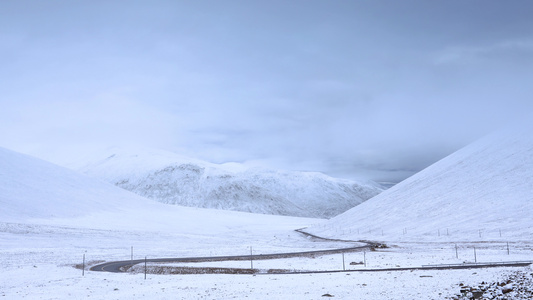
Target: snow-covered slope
x=174, y=179
x=32, y=188
x=483, y=190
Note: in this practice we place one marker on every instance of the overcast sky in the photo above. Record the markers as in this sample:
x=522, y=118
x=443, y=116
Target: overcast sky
x=355, y=89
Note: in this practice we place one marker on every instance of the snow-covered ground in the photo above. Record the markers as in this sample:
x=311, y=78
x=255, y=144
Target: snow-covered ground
x=52, y=217
x=173, y=179
x=37, y=262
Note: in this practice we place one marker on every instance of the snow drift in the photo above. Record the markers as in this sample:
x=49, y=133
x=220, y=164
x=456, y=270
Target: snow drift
x=174, y=179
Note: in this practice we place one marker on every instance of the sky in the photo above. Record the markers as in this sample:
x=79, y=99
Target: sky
x=356, y=89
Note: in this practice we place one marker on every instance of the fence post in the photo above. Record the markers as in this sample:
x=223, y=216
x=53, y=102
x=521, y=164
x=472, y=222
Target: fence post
x=456, y=253
x=364, y=258
x=343, y=265
x=251, y=258
x=83, y=266
x=475, y=255
x=508, y=248
x=145, y=268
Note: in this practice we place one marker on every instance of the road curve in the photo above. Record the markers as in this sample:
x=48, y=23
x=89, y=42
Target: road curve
x=120, y=266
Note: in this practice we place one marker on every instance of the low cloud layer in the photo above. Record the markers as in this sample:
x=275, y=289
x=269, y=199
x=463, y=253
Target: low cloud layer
x=355, y=89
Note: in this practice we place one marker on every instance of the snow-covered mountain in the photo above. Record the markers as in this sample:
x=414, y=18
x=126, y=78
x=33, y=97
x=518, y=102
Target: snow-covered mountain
x=484, y=189
x=33, y=191
x=174, y=179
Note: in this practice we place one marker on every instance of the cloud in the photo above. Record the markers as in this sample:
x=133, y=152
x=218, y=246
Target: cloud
x=514, y=49
x=59, y=130
x=375, y=89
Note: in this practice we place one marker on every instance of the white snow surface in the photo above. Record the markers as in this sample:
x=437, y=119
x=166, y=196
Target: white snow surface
x=32, y=188
x=173, y=179
x=52, y=217
x=483, y=191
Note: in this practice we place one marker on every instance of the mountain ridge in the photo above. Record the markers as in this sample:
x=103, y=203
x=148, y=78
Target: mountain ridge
x=174, y=179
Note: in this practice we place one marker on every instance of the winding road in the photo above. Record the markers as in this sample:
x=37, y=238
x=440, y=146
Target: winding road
x=122, y=266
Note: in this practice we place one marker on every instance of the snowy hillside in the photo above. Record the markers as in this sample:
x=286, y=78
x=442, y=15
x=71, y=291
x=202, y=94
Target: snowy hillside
x=173, y=179
x=484, y=190
x=36, y=191
x=32, y=188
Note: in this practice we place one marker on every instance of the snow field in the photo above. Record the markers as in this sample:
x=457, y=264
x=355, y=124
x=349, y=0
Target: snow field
x=414, y=233
x=38, y=263
x=49, y=281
